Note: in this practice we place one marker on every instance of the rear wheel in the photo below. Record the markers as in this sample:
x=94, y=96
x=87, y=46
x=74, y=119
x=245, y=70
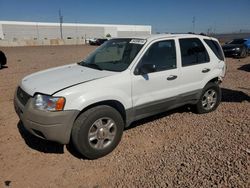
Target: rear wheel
x=210, y=98
x=3, y=59
x=244, y=53
x=97, y=131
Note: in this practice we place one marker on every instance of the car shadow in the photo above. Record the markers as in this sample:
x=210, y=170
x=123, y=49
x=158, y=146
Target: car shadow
x=229, y=95
x=182, y=109
x=4, y=67
x=37, y=143
x=71, y=149
x=245, y=67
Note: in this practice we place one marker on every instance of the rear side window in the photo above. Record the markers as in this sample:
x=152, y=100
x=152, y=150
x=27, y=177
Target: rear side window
x=193, y=52
x=215, y=47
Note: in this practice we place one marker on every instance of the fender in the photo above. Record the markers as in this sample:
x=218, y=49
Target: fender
x=90, y=98
x=211, y=76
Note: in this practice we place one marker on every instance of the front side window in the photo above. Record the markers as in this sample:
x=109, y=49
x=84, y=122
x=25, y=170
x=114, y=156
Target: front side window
x=114, y=55
x=162, y=55
x=193, y=52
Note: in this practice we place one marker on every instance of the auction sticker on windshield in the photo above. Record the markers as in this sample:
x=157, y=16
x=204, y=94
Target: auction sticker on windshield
x=138, y=41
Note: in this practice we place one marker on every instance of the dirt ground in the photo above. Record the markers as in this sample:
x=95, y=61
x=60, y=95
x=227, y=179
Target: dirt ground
x=174, y=149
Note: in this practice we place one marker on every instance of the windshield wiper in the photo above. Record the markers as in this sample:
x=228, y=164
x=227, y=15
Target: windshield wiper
x=90, y=65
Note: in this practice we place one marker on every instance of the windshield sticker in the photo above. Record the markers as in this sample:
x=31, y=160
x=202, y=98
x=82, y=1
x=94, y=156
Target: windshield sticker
x=138, y=41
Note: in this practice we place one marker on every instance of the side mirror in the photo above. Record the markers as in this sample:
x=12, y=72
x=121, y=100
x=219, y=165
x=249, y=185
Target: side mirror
x=145, y=69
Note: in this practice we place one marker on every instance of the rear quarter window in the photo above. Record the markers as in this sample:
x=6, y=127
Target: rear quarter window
x=215, y=47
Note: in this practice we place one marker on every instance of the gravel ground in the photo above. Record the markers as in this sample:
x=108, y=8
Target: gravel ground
x=174, y=149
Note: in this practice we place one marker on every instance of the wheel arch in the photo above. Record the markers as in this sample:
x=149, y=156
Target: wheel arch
x=112, y=103
x=214, y=80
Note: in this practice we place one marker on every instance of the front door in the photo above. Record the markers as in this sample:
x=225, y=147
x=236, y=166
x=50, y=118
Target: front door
x=156, y=79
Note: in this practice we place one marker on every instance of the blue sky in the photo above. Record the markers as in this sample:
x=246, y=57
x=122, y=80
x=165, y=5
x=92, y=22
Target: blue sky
x=164, y=16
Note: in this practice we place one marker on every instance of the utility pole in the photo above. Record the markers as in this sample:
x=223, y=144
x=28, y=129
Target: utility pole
x=37, y=31
x=61, y=21
x=208, y=31
x=193, y=21
x=215, y=27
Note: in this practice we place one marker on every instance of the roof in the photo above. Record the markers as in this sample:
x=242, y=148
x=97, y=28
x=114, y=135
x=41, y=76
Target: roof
x=161, y=36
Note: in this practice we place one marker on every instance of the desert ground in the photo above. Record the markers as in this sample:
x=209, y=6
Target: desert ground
x=174, y=149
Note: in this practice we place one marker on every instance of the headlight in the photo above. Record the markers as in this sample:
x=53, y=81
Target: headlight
x=49, y=103
x=237, y=49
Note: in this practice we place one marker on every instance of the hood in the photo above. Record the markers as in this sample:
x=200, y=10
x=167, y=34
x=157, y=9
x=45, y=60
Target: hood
x=231, y=46
x=52, y=80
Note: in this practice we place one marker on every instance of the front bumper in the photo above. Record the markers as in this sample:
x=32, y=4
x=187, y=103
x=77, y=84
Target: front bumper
x=232, y=53
x=54, y=126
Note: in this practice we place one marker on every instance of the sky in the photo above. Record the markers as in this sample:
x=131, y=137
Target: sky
x=219, y=16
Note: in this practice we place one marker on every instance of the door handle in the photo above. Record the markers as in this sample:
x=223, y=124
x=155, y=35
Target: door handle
x=205, y=70
x=171, y=77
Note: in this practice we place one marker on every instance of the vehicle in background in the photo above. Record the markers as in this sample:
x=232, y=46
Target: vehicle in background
x=237, y=48
x=97, y=41
x=100, y=41
x=92, y=41
x=3, y=59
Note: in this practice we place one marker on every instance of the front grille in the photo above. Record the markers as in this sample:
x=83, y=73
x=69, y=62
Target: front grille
x=22, y=96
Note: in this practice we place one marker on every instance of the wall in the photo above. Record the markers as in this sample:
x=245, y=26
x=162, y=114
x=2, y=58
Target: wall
x=12, y=32
x=38, y=33
x=43, y=42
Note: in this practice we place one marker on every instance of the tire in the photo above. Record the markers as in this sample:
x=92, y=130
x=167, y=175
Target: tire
x=3, y=59
x=205, y=104
x=244, y=53
x=97, y=131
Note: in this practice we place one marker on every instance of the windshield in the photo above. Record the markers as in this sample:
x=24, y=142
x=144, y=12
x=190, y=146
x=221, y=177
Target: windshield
x=114, y=55
x=237, y=41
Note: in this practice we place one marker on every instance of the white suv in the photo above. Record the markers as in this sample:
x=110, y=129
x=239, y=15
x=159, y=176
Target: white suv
x=125, y=79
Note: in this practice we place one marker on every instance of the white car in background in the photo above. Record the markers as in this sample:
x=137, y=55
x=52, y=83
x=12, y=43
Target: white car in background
x=125, y=79
x=92, y=40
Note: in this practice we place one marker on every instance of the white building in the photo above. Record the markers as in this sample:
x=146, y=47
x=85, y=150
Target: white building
x=14, y=30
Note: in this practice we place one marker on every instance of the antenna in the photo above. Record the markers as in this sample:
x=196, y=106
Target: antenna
x=193, y=21
x=61, y=21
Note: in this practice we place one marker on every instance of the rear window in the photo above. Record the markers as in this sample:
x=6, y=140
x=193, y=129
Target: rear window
x=215, y=47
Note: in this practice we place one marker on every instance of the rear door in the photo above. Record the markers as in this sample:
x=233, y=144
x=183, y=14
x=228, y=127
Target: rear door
x=195, y=64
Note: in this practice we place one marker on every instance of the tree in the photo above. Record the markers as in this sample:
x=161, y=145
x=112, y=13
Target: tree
x=108, y=35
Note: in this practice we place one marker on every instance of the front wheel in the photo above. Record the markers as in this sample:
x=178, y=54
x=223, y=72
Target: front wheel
x=210, y=98
x=97, y=131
